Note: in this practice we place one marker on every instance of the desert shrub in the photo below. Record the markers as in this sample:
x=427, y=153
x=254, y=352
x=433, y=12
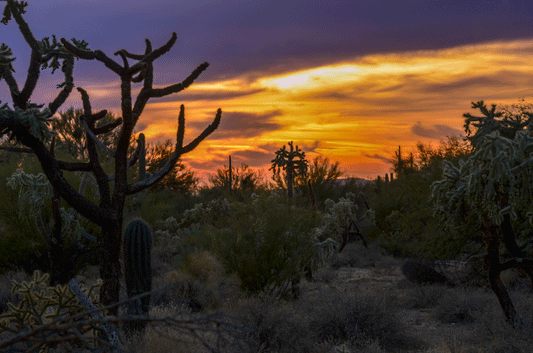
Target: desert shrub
x=201, y=283
x=496, y=334
x=460, y=305
x=270, y=326
x=421, y=272
x=326, y=275
x=359, y=320
x=423, y=296
x=266, y=243
x=357, y=255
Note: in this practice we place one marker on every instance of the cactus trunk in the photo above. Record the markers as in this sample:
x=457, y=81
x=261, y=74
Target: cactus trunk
x=138, y=270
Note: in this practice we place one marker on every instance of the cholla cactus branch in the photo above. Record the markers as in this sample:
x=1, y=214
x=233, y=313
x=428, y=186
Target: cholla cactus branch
x=91, y=55
x=153, y=55
x=96, y=140
x=68, y=85
x=161, y=92
x=108, y=128
x=111, y=332
x=124, y=58
x=137, y=187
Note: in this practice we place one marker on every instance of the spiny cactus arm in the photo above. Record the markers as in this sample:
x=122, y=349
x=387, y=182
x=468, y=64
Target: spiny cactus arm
x=88, y=121
x=138, y=56
x=153, y=55
x=68, y=85
x=160, y=174
x=6, y=69
x=108, y=127
x=161, y=92
x=142, y=157
x=73, y=167
x=52, y=170
x=96, y=140
x=111, y=332
x=131, y=162
x=91, y=55
x=17, y=9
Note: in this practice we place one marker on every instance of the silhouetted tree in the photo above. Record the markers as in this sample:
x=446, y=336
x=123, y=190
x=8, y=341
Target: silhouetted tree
x=29, y=124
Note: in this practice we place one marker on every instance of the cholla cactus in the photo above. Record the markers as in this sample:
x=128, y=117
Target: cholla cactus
x=293, y=162
x=492, y=189
x=40, y=307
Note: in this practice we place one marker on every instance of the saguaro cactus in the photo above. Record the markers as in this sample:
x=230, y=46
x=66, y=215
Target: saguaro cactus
x=138, y=269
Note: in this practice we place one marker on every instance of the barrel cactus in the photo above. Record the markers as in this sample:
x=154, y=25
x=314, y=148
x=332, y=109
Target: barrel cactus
x=138, y=268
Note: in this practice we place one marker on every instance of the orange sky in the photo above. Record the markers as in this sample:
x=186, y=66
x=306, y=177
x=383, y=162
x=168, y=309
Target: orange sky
x=356, y=112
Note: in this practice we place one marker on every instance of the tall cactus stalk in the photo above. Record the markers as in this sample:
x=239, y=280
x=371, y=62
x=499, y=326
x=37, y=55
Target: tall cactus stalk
x=138, y=270
x=142, y=157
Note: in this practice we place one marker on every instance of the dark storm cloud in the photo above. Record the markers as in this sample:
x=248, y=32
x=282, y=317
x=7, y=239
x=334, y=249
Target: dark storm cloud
x=377, y=156
x=241, y=124
x=188, y=96
x=253, y=158
x=500, y=79
x=436, y=132
x=237, y=36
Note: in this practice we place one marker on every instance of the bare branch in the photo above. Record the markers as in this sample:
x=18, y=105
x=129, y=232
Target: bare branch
x=160, y=174
x=161, y=92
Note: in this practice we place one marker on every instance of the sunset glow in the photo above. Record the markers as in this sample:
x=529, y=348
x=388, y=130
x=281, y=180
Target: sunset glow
x=345, y=80
x=357, y=112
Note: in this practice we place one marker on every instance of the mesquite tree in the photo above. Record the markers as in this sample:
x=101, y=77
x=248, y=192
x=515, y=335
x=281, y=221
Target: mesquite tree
x=493, y=191
x=293, y=162
x=29, y=124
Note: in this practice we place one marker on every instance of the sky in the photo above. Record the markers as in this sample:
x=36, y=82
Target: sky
x=347, y=80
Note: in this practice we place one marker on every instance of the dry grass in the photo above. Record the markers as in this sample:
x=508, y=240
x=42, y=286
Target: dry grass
x=373, y=311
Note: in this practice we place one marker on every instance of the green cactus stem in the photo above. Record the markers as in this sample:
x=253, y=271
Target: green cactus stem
x=138, y=269
x=142, y=158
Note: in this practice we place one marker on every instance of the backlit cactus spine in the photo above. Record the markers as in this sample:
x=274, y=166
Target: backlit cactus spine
x=138, y=269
